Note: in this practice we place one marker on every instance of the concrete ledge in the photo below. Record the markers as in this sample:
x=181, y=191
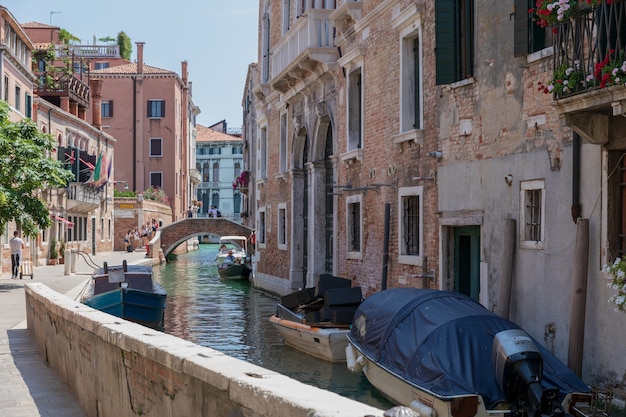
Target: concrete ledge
x=119, y=368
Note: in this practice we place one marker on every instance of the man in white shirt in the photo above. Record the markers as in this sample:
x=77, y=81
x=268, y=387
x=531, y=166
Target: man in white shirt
x=16, y=245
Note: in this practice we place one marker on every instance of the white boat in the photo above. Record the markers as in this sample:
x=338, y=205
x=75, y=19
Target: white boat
x=239, y=267
x=444, y=355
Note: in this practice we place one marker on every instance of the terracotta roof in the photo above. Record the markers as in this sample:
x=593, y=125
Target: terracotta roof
x=204, y=134
x=131, y=69
x=37, y=25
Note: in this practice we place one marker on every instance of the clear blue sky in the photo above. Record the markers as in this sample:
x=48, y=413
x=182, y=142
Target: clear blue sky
x=218, y=38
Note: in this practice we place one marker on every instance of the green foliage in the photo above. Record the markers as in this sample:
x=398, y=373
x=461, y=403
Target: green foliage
x=54, y=253
x=61, y=248
x=125, y=45
x=125, y=193
x=156, y=194
x=67, y=38
x=24, y=171
x=107, y=39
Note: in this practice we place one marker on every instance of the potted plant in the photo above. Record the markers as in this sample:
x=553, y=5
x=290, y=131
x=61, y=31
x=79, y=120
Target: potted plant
x=62, y=251
x=54, y=254
x=617, y=276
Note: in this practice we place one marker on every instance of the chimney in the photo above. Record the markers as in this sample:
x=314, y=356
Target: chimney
x=140, y=57
x=96, y=102
x=184, y=72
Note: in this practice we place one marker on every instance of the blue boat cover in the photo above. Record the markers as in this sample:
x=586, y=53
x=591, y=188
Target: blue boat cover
x=441, y=342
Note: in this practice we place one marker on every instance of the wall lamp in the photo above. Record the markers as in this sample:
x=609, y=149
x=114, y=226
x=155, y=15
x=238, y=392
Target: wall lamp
x=438, y=155
x=122, y=182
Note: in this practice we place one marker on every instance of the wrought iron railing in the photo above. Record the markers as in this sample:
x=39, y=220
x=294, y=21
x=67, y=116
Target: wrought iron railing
x=60, y=83
x=589, y=50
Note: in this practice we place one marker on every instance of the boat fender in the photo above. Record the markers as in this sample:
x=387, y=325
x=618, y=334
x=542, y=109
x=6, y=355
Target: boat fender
x=354, y=363
x=401, y=411
x=422, y=409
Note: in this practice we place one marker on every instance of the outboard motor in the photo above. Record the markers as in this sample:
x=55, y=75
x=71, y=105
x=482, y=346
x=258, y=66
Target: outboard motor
x=519, y=368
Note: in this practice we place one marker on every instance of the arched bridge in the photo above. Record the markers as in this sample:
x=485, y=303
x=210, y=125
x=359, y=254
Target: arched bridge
x=178, y=232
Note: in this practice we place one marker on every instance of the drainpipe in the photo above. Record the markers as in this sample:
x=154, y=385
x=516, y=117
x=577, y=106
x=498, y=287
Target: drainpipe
x=576, y=206
x=383, y=285
x=134, y=133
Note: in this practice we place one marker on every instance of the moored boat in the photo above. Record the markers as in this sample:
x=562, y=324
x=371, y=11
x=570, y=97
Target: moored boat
x=316, y=320
x=127, y=291
x=445, y=355
x=233, y=261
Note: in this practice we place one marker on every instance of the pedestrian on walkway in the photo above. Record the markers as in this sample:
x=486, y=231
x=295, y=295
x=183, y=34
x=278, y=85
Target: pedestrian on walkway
x=16, y=245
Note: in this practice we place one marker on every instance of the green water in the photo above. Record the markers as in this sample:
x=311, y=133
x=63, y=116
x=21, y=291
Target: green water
x=233, y=318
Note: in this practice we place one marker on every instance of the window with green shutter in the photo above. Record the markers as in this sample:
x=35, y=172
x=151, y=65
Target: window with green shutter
x=454, y=27
x=528, y=36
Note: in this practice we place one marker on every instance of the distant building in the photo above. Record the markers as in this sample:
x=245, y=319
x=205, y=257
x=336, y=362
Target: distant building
x=219, y=161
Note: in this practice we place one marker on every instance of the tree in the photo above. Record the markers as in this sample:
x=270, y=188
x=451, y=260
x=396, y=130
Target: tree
x=67, y=38
x=125, y=45
x=107, y=39
x=24, y=171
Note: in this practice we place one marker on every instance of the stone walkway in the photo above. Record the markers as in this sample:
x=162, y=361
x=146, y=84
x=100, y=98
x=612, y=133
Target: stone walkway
x=28, y=388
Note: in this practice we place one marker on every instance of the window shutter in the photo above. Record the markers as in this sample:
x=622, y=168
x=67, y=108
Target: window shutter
x=110, y=108
x=163, y=108
x=149, y=108
x=521, y=26
x=446, y=49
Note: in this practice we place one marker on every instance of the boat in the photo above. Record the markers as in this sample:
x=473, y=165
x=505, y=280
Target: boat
x=237, y=268
x=442, y=354
x=127, y=291
x=316, y=320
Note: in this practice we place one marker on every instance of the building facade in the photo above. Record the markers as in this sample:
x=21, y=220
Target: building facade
x=219, y=161
x=410, y=143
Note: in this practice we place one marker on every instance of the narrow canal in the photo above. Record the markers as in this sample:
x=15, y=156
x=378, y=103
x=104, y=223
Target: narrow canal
x=232, y=317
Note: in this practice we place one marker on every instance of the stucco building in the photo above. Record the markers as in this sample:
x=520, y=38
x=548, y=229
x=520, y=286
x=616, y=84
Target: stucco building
x=410, y=143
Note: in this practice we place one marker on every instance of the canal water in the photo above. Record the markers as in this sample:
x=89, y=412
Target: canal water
x=233, y=318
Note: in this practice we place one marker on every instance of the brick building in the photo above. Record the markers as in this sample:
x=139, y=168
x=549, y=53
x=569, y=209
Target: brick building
x=421, y=130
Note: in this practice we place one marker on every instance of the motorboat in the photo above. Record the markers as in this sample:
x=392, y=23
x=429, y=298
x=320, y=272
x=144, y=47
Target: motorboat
x=233, y=260
x=316, y=320
x=443, y=354
x=127, y=291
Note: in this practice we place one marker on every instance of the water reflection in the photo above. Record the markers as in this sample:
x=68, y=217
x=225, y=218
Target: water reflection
x=233, y=318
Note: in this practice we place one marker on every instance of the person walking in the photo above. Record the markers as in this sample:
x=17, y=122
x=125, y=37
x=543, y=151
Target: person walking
x=16, y=245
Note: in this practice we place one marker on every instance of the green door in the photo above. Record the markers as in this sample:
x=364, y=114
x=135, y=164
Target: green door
x=467, y=261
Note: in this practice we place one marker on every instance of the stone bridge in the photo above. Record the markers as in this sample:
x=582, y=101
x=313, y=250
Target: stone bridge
x=178, y=232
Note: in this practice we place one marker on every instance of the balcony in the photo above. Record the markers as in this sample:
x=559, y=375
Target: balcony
x=87, y=51
x=62, y=84
x=82, y=198
x=309, y=43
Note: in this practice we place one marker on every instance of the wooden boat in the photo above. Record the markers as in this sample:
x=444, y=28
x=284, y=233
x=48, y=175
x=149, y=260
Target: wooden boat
x=442, y=354
x=129, y=292
x=240, y=267
x=316, y=320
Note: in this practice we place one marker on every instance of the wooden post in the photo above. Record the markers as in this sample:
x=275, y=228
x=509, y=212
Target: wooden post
x=579, y=297
x=506, y=269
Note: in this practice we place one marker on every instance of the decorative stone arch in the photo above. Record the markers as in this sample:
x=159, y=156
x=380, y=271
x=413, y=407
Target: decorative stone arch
x=60, y=139
x=299, y=206
x=180, y=231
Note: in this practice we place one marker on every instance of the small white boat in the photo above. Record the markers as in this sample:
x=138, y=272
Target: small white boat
x=444, y=355
x=233, y=261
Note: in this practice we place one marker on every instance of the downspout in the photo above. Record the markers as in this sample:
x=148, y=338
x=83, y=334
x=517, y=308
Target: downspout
x=383, y=285
x=134, y=133
x=576, y=206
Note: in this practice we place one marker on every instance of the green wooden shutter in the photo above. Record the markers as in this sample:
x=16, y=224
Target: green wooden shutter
x=446, y=49
x=522, y=28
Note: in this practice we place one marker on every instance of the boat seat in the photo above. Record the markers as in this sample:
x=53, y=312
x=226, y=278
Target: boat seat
x=141, y=282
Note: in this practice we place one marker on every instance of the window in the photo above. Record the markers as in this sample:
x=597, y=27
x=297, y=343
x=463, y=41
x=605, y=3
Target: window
x=528, y=36
x=282, y=226
x=353, y=226
x=355, y=110
x=410, y=83
x=283, y=143
x=616, y=214
x=236, y=150
x=286, y=15
x=106, y=108
x=260, y=235
x=532, y=213
x=265, y=45
x=216, y=172
x=156, y=108
x=6, y=88
x=156, y=147
x=454, y=48
x=101, y=65
x=262, y=155
x=29, y=105
x=18, y=98
x=410, y=225
x=156, y=179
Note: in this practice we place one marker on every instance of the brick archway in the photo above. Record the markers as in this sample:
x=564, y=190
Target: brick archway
x=178, y=232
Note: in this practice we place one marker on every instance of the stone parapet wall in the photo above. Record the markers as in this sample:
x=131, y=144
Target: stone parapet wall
x=118, y=368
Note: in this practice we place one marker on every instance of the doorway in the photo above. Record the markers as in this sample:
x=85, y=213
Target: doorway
x=467, y=261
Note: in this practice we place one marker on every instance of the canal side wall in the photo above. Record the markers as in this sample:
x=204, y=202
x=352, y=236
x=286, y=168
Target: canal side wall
x=115, y=367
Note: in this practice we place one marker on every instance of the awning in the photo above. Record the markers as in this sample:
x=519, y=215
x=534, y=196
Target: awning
x=62, y=220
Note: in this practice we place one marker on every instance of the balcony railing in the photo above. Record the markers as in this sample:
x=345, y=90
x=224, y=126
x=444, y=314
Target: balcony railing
x=62, y=84
x=87, y=51
x=309, y=41
x=82, y=197
x=590, y=50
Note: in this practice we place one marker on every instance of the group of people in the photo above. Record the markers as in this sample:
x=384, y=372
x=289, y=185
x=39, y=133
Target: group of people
x=143, y=234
